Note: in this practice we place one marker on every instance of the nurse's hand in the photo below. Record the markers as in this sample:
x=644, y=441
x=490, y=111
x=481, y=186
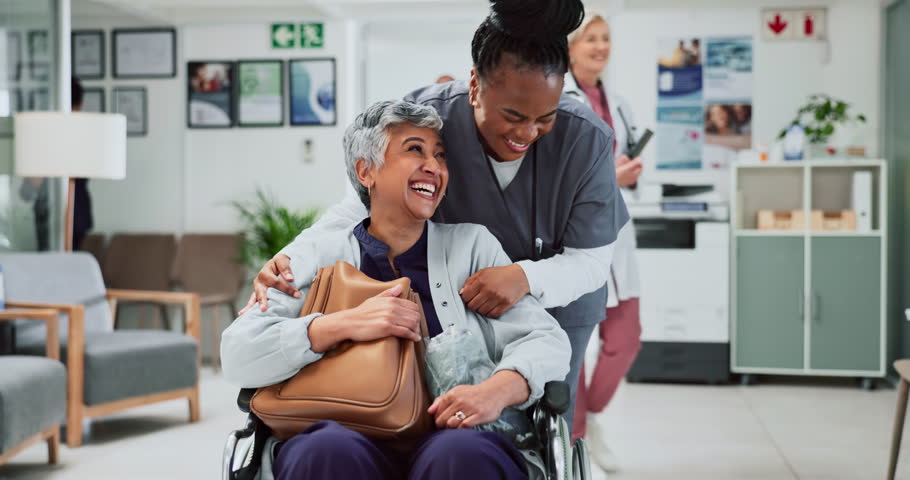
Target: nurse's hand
x=493, y=291
x=628, y=170
x=276, y=273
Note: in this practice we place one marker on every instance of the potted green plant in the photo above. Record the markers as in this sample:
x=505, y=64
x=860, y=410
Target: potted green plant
x=268, y=227
x=820, y=118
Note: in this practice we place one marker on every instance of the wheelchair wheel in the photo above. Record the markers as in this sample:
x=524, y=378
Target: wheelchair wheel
x=581, y=462
x=559, y=463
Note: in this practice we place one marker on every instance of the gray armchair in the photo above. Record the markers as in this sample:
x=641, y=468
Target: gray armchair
x=32, y=392
x=107, y=370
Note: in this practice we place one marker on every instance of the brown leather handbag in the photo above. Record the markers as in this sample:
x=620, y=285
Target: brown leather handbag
x=375, y=388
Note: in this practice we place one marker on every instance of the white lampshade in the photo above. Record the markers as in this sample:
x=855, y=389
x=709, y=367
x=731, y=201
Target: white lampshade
x=78, y=144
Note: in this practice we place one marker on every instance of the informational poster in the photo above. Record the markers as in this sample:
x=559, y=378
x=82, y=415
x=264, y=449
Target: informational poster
x=261, y=98
x=704, y=101
x=728, y=97
x=211, y=99
x=312, y=91
x=679, y=137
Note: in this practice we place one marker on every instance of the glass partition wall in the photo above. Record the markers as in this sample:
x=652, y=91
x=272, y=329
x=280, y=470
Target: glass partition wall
x=31, y=209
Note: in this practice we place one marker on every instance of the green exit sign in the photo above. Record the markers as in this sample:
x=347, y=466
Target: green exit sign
x=304, y=35
x=284, y=35
x=311, y=35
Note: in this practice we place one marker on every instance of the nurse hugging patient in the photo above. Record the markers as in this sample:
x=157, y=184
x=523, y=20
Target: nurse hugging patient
x=531, y=165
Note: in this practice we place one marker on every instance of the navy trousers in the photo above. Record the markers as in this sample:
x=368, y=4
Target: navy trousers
x=327, y=450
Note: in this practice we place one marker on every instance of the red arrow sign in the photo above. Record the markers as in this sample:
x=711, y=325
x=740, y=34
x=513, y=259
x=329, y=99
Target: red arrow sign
x=777, y=25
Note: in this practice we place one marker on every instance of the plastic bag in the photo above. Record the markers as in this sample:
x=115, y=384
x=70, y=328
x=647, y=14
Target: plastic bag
x=457, y=357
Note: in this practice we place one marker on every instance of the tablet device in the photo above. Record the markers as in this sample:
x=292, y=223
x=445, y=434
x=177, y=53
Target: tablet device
x=641, y=144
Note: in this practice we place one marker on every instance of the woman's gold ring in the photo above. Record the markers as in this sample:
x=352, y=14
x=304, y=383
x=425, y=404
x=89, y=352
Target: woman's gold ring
x=460, y=415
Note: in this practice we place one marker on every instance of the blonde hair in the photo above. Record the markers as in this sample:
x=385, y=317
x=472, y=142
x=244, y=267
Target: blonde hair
x=590, y=17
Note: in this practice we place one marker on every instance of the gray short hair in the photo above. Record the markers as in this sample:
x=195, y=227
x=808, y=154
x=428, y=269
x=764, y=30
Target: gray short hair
x=368, y=136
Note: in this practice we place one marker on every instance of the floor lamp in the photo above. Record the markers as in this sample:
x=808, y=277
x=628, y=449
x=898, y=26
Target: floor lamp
x=70, y=145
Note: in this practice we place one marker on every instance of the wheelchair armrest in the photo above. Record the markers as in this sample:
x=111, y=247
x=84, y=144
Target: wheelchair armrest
x=244, y=398
x=556, y=398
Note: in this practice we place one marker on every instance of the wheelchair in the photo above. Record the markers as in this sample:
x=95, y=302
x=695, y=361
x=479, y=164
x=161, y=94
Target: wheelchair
x=561, y=460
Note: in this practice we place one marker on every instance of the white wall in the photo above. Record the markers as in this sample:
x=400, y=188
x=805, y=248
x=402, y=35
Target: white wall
x=149, y=199
x=785, y=73
x=403, y=58
x=182, y=180
x=222, y=165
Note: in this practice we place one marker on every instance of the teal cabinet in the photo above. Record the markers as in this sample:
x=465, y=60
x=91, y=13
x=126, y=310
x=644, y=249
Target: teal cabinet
x=845, y=307
x=770, y=302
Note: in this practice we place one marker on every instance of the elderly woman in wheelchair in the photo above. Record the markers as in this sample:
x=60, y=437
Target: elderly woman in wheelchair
x=396, y=162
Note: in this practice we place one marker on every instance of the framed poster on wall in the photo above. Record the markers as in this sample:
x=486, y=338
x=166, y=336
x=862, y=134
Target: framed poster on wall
x=312, y=91
x=144, y=53
x=260, y=99
x=93, y=100
x=88, y=54
x=210, y=94
x=132, y=102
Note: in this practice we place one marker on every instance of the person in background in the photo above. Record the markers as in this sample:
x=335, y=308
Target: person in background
x=620, y=332
x=38, y=189
x=445, y=79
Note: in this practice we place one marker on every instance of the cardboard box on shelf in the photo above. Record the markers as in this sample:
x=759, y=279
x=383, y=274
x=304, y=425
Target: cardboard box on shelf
x=839, y=220
x=781, y=220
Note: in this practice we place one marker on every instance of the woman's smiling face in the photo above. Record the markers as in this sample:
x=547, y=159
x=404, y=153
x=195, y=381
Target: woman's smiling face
x=414, y=175
x=591, y=50
x=513, y=108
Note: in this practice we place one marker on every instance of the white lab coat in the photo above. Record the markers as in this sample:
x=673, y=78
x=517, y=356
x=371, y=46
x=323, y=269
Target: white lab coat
x=623, y=282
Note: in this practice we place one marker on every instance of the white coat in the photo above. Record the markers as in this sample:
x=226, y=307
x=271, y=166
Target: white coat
x=623, y=282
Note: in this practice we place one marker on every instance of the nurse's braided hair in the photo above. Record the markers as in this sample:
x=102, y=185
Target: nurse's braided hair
x=532, y=31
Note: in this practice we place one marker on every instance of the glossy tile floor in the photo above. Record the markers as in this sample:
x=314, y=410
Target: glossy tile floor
x=779, y=429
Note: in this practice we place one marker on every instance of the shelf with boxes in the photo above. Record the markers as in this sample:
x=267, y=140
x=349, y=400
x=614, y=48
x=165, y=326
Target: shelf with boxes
x=808, y=268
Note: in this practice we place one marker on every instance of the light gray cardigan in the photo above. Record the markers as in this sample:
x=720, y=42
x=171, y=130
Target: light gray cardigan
x=264, y=348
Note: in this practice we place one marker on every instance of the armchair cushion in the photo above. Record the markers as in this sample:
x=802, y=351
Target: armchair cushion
x=129, y=363
x=62, y=278
x=32, y=397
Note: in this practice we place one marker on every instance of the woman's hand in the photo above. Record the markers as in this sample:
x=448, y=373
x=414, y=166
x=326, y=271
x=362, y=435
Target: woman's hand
x=628, y=170
x=276, y=273
x=480, y=404
x=493, y=291
x=384, y=315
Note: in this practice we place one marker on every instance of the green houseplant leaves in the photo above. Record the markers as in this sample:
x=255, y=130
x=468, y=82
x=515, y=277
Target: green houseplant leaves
x=268, y=227
x=821, y=116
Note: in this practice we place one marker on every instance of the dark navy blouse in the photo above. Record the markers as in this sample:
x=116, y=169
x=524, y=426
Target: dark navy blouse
x=374, y=262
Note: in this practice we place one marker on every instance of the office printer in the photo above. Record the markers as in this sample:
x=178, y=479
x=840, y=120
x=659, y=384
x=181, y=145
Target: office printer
x=683, y=255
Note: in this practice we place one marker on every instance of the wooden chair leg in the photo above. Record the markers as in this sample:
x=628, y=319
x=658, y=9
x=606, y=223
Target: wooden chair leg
x=194, y=405
x=902, y=393
x=53, y=446
x=74, y=430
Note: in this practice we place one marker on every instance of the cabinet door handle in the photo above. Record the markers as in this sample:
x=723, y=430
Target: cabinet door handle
x=816, y=307
x=801, y=303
